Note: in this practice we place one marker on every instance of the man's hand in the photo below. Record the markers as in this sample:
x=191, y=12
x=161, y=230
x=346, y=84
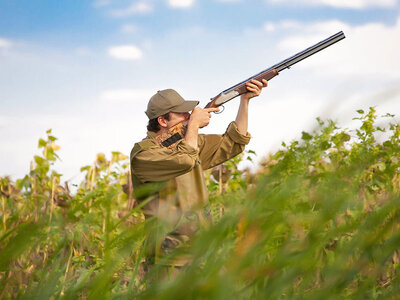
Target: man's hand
x=254, y=88
x=201, y=117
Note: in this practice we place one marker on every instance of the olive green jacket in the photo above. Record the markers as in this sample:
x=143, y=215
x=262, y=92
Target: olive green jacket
x=180, y=202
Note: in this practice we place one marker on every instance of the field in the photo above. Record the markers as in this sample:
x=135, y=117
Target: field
x=319, y=219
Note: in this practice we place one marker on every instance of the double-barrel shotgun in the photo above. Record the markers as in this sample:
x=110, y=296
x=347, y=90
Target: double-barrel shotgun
x=271, y=72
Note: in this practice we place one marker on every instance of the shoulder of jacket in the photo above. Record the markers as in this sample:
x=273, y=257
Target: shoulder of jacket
x=146, y=143
x=143, y=145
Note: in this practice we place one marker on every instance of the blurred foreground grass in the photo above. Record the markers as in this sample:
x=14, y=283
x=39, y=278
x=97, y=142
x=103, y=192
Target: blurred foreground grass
x=319, y=219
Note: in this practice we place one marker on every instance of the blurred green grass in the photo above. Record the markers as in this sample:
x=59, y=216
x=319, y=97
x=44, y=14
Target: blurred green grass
x=319, y=219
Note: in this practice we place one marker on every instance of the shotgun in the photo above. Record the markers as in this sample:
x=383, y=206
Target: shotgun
x=268, y=74
x=178, y=131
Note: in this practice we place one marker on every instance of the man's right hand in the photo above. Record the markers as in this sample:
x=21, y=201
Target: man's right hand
x=200, y=117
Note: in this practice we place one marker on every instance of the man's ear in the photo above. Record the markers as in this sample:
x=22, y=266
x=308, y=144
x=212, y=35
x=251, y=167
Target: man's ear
x=162, y=121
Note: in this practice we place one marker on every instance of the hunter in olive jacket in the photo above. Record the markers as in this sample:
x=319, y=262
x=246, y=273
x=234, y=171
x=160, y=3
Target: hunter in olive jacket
x=179, y=204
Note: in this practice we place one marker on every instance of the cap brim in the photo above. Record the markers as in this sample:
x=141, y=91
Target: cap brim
x=186, y=106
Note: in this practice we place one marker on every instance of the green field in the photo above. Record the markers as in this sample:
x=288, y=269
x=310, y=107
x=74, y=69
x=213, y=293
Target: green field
x=319, y=219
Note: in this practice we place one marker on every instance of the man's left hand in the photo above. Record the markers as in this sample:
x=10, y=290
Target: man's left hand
x=254, y=88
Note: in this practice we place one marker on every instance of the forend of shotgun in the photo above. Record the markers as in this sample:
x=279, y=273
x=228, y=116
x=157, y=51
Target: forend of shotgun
x=239, y=89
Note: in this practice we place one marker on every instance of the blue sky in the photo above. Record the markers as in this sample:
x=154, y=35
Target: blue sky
x=87, y=68
x=66, y=25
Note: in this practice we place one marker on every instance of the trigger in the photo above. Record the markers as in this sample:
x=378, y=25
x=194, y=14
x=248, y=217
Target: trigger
x=218, y=112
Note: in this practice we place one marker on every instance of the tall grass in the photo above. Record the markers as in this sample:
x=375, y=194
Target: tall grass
x=319, y=219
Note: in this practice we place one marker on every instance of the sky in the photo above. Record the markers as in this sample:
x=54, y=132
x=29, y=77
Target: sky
x=86, y=69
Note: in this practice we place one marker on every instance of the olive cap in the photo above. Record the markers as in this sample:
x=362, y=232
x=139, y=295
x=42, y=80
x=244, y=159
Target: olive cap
x=168, y=101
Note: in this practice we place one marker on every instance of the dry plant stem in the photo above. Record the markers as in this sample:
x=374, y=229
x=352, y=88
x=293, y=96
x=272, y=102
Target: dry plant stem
x=130, y=192
x=108, y=169
x=93, y=179
x=45, y=152
x=33, y=180
x=86, y=238
x=220, y=180
x=6, y=284
x=3, y=205
x=87, y=178
x=53, y=189
x=66, y=270
x=221, y=191
x=44, y=252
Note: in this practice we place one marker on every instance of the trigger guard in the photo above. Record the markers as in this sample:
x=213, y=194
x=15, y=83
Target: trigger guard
x=221, y=111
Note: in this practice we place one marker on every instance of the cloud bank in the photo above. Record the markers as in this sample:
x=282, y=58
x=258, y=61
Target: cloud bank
x=180, y=3
x=365, y=51
x=135, y=8
x=125, y=52
x=125, y=95
x=5, y=43
x=349, y=4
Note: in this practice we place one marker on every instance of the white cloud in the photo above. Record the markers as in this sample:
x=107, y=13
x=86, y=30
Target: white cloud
x=129, y=28
x=285, y=25
x=5, y=44
x=352, y=4
x=269, y=26
x=4, y=120
x=101, y=3
x=125, y=95
x=83, y=51
x=135, y=8
x=181, y=3
x=125, y=52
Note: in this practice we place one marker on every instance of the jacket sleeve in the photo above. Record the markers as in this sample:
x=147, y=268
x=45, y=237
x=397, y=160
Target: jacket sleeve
x=159, y=163
x=216, y=149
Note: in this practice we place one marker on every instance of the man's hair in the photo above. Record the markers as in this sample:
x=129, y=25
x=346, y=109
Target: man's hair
x=153, y=124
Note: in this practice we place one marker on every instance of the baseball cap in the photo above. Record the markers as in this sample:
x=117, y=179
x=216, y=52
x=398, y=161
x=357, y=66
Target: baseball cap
x=168, y=101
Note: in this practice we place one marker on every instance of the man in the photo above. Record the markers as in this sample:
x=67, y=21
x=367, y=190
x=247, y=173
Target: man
x=179, y=205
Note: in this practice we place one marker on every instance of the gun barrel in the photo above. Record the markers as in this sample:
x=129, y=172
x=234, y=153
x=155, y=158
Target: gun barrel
x=287, y=63
x=308, y=52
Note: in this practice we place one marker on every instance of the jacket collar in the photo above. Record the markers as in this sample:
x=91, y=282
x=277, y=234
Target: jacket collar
x=151, y=135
